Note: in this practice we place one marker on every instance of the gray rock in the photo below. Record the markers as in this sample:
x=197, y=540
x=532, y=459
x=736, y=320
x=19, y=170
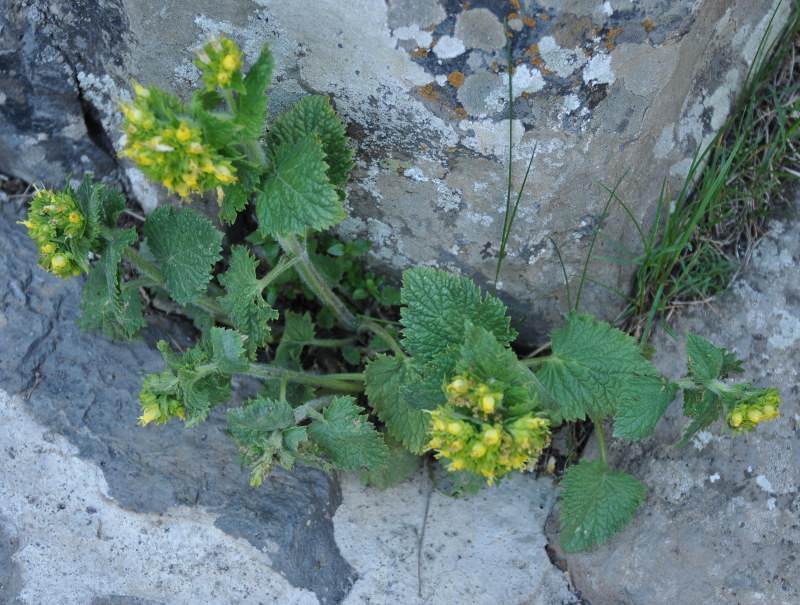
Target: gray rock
x=601, y=90
x=720, y=520
x=10, y=580
x=84, y=388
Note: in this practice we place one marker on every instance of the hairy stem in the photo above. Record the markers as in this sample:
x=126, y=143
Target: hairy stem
x=348, y=383
x=311, y=277
x=601, y=440
x=382, y=332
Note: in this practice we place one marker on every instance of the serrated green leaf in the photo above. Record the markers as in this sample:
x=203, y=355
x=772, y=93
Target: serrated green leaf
x=233, y=203
x=107, y=309
x=296, y=194
x=227, y=351
x=243, y=301
x=101, y=203
x=258, y=418
x=643, y=400
x=251, y=106
x=297, y=332
x=704, y=407
x=704, y=359
x=346, y=436
x=488, y=360
x=386, y=379
x=438, y=305
x=595, y=504
x=590, y=364
x=219, y=131
x=201, y=385
x=186, y=245
x=314, y=117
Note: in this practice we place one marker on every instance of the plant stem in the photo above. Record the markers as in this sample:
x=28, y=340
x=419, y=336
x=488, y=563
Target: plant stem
x=349, y=383
x=601, y=441
x=311, y=277
x=332, y=343
x=379, y=330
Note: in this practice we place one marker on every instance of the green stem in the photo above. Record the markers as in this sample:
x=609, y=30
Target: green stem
x=601, y=441
x=331, y=343
x=349, y=383
x=311, y=277
x=379, y=330
x=283, y=265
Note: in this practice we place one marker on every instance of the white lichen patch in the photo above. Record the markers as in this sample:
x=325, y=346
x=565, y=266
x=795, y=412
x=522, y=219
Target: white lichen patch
x=764, y=484
x=447, y=199
x=480, y=219
x=787, y=332
x=702, y=439
x=448, y=47
x=714, y=478
x=560, y=60
x=526, y=79
x=598, y=70
x=665, y=142
x=420, y=37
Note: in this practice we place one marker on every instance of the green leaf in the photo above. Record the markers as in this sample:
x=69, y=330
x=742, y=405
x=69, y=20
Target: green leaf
x=595, y=504
x=251, y=107
x=227, y=351
x=590, y=364
x=704, y=407
x=438, y=305
x=296, y=194
x=400, y=465
x=219, y=130
x=233, y=203
x=297, y=332
x=488, y=360
x=346, y=437
x=101, y=203
x=704, y=359
x=313, y=117
x=186, y=245
x=386, y=378
x=259, y=417
x=107, y=309
x=643, y=400
x=243, y=301
x=200, y=383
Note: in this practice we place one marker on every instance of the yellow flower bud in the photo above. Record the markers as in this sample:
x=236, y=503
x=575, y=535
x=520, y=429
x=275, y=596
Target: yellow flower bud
x=183, y=133
x=182, y=189
x=141, y=91
x=49, y=248
x=754, y=416
x=74, y=217
x=478, y=450
x=58, y=262
x=454, y=428
x=457, y=465
x=457, y=387
x=487, y=404
x=223, y=78
x=736, y=419
x=770, y=411
x=195, y=148
x=231, y=62
x=190, y=179
x=491, y=437
x=149, y=414
x=224, y=174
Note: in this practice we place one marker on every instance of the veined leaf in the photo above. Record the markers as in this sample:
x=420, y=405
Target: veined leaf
x=346, y=437
x=313, y=116
x=227, y=351
x=704, y=359
x=296, y=194
x=298, y=330
x=591, y=362
x=438, y=305
x=400, y=464
x=595, y=504
x=386, y=379
x=251, y=106
x=186, y=245
x=106, y=309
x=704, y=407
x=243, y=301
x=643, y=400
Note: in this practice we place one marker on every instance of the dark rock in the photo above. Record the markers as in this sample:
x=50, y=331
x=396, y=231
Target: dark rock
x=95, y=383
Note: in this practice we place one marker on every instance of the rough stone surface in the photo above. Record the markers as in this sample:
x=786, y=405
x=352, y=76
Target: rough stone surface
x=601, y=90
x=84, y=388
x=720, y=521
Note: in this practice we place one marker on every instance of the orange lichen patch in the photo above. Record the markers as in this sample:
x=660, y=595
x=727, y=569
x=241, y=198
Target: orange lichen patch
x=544, y=17
x=525, y=95
x=428, y=92
x=533, y=50
x=610, y=36
x=514, y=4
x=495, y=67
x=456, y=79
x=466, y=5
x=463, y=250
x=423, y=148
x=587, y=52
x=648, y=25
x=460, y=113
x=419, y=52
x=513, y=16
x=529, y=21
x=519, y=61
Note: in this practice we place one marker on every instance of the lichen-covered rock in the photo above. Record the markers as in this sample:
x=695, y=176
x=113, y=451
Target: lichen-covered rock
x=601, y=91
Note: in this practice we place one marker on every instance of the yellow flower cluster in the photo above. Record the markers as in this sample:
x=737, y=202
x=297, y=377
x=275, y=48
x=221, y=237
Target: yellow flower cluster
x=169, y=146
x=54, y=218
x=220, y=62
x=159, y=408
x=746, y=415
x=472, y=432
